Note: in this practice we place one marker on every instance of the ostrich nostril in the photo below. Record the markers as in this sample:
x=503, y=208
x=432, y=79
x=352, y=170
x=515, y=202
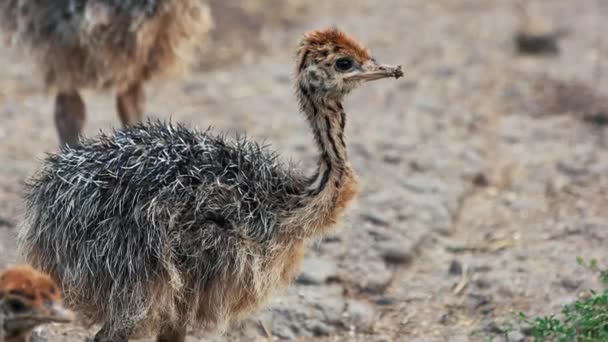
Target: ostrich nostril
x=398, y=72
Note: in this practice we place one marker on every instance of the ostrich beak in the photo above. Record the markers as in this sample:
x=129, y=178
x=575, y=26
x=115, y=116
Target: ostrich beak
x=58, y=313
x=371, y=71
x=51, y=313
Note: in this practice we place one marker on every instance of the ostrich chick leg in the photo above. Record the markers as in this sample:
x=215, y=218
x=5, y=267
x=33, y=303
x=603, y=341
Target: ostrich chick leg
x=70, y=115
x=130, y=105
x=172, y=335
x=106, y=334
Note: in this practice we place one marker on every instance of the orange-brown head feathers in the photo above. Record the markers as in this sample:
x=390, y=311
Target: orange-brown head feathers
x=320, y=44
x=29, y=298
x=24, y=280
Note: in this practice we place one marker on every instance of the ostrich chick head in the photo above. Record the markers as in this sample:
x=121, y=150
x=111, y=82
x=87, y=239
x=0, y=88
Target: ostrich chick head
x=28, y=299
x=331, y=64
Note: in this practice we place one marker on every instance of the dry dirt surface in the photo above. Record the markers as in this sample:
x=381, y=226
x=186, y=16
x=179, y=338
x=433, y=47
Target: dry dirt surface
x=483, y=173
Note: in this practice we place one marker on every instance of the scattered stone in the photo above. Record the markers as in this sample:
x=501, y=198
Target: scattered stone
x=331, y=308
x=455, y=268
x=493, y=328
x=430, y=210
x=320, y=329
x=283, y=332
x=526, y=328
x=571, y=169
x=6, y=223
x=301, y=147
x=482, y=269
x=384, y=199
x=40, y=334
x=251, y=329
x=360, y=150
x=537, y=43
x=374, y=219
x=316, y=271
x=360, y=314
x=598, y=118
x=570, y=284
x=392, y=157
x=404, y=217
x=515, y=336
x=332, y=239
x=378, y=234
x=560, y=302
x=423, y=339
x=447, y=318
x=383, y=300
x=381, y=338
x=423, y=185
x=457, y=248
x=417, y=166
x=479, y=301
x=305, y=312
x=482, y=284
x=444, y=71
x=371, y=276
x=295, y=327
x=283, y=78
x=471, y=157
x=481, y=180
x=396, y=254
x=459, y=338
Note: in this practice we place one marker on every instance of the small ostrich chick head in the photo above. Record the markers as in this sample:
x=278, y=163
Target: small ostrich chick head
x=331, y=64
x=29, y=298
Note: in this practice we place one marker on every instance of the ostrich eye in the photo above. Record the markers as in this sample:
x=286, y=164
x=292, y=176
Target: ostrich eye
x=15, y=305
x=52, y=290
x=344, y=64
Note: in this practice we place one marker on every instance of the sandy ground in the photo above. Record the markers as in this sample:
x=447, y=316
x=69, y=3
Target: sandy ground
x=483, y=174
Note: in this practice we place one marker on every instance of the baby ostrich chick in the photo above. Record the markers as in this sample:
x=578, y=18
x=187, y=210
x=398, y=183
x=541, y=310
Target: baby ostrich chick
x=28, y=299
x=103, y=44
x=157, y=227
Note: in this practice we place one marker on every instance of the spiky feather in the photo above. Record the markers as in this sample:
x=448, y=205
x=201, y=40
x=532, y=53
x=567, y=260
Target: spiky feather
x=156, y=208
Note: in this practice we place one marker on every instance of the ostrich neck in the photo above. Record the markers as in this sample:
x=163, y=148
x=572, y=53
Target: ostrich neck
x=332, y=185
x=327, y=120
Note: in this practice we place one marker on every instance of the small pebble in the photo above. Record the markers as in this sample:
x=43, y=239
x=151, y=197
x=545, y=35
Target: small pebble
x=6, y=223
x=515, y=336
x=375, y=219
x=482, y=284
x=493, y=328
x=570, y=284
x=455, y=268
x=384, y=301
x=392, y=158
x=481, y=180
x=360, y=314
x=395, y=255
x=316, y=271
x=320, y=329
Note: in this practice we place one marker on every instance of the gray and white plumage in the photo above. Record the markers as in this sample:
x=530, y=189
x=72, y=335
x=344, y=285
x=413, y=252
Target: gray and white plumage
x=154, y=203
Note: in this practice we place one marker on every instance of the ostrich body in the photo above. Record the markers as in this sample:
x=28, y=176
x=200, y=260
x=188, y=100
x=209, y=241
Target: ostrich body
x=28, y=299
x=103, y=44
x=161, y=227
